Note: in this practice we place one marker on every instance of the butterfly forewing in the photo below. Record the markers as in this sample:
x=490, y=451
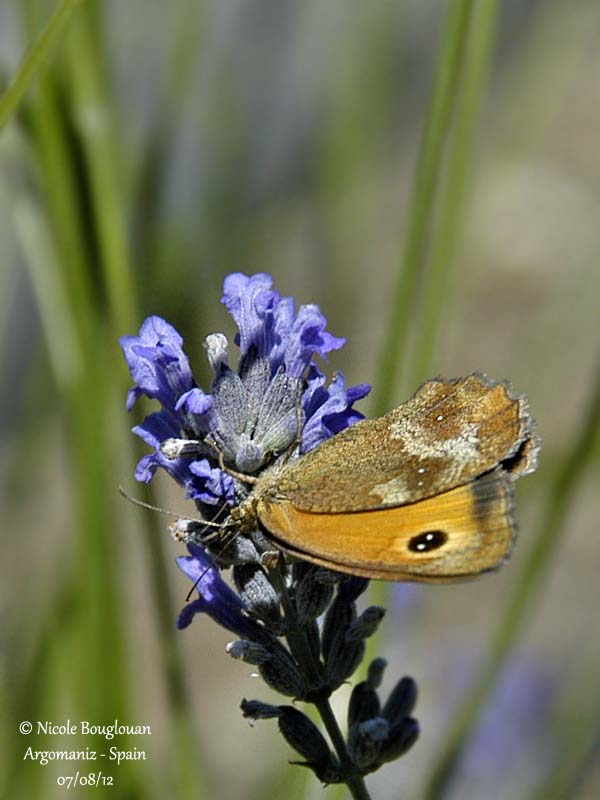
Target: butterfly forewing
x=448, y=434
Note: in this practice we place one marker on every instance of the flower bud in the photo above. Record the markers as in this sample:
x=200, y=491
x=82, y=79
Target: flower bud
x=365, y=625
x=340, y=615
x=364, y=704
x=401, y=701
x=175, y=448
x=312, y=597
x=257, y=594
x=341, y=657
x=365, y=740
x=217, y=350
x=375, y=672
x=303, y=735
x=342, y=662
x=352, y=587
x=186, y=530
x=281, y=673
x=250, y=652
x=401, y=738
x=240, y=550
x=256, y=709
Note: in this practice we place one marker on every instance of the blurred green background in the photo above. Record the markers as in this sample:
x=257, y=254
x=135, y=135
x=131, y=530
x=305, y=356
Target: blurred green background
x=429, y=173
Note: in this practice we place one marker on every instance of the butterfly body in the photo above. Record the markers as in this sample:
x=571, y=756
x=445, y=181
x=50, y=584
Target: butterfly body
x=423, y=493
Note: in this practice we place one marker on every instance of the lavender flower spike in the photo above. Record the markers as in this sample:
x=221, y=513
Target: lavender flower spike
x=297, y=624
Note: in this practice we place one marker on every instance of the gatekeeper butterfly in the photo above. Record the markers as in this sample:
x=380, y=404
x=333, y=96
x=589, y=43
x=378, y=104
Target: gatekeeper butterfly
x=423, y=493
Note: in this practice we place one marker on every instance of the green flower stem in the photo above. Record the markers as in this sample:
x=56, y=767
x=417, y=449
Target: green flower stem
x=36, y=58
x=561, y=494
x=447, y=231
x=354, y=780
x=412, y=264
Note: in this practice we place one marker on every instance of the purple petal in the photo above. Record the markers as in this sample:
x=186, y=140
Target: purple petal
x=307, y=338
x=195, y=401
x=215, y=598
x=250, y=301
x=211, y=484
x=328, y=410
x=158, y=365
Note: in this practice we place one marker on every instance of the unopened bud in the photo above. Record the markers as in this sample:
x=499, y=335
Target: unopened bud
x=312, y=597
x=217, y=350
x=340, y=615
x=365, y=625
x=352, y=587
x=303, y=735
x=341, y=657
x=364, y=704
x=365, y=740
x=255, y=709
x=281, y=673
x=401, y=701
x=175, y=448
x=401, y=738
x=257, y=594
x=185, y=530
x=375, y=672
x=250, y=652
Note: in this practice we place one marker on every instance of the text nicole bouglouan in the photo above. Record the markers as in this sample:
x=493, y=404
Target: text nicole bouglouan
x=97, y=747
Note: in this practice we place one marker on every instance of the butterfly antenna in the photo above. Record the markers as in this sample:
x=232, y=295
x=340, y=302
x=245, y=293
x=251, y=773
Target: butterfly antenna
x=166, y=512
x=213, y=524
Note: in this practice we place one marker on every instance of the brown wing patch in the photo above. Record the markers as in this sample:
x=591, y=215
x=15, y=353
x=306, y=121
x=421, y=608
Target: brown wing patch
x=453, y=536
x=449, y=433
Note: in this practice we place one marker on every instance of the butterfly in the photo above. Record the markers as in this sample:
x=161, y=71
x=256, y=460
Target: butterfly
x=423, y=493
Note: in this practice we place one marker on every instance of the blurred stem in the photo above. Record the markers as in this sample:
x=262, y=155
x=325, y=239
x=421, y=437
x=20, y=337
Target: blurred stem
x=448, y=229
x=155, y=160
x=577, y=753
x=412, y=263
x=561, y=493
x=58, y=180
x=98, y=643
x=36, y=58
x=95, y=127
x=56, y=316
x=446, y=95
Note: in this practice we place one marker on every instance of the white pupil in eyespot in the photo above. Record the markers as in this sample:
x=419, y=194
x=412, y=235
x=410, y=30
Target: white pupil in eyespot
x=429, y=537
x=430, y=540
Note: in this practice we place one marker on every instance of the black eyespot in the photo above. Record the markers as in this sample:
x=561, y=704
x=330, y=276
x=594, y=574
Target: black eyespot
x=425, y=542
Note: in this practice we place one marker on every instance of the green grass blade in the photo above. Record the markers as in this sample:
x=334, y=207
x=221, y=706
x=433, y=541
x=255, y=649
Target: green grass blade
x=35, y=59
x=89, y=107
x=448, y=228
x=426, y=185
